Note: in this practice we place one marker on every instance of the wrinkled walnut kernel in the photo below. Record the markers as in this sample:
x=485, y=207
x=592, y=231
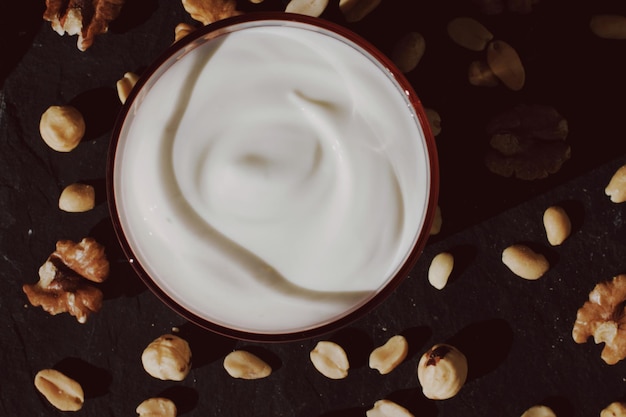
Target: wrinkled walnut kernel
x=209, y=11
x=84, y=18
x=527, y=142
x=64, y=285
x=604, y=318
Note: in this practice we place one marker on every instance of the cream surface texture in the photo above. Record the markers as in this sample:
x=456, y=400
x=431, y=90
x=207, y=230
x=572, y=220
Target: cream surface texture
x=273, y=179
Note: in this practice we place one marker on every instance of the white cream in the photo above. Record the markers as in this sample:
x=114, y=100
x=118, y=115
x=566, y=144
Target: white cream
x=273, y=179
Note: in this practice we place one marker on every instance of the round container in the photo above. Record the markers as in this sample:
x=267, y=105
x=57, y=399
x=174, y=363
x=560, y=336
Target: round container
x=272, y=177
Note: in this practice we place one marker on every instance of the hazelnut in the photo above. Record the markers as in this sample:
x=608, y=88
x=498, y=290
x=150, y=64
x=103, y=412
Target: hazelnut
x=313, y=8
x=62, y=127
x=557, y=224
x=76, y=198
x=442, y=371
x=387, y=408
x=168, y=358
x=615, y=409
x=157, y=407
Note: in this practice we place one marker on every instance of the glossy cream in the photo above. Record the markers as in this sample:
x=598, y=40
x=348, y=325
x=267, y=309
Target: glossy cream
x=272, y=179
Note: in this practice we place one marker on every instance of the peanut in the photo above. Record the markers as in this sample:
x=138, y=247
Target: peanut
x=387, y=357
x=615, y=409
x=608, y=26
x=557, y=224
x=356, y=10
x=440, y=269
x=313, y=8
x=616, y=189
x=62, y=127
x=168, y=357
x=506, y=64
x=330, y=360
x=125, y=85
x=539, y=411
x=387, y=408
x=245, y=365
x=524, y=262
x=480, y=75
x=437, y=222
x=76, y=198
x=469, y=33
x=408, y=51
x=157, y=407
x=60, y=390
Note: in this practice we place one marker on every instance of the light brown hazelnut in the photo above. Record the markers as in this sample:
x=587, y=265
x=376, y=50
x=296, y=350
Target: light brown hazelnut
x=157, y=407
x=524, y=262
x=434, y=120
x=442, y=371
x=168, y=358
x=245, y=365
x=330, y=360
x=209, y=11
x=440, y=269
x=60, y=390
x=77, y=198
x=387, y=357
x=615, y=409
x=387, y=408
x=62, y=127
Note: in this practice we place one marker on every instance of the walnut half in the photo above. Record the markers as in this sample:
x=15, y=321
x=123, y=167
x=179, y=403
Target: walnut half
x=604, y=318
x=85, y=18
x=64, y=279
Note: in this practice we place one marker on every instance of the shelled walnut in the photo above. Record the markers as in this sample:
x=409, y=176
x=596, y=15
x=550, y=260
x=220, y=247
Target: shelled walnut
x=84, y=18
x=527, y=142
x=64, y=286
x=209, y=11
x=603, y=316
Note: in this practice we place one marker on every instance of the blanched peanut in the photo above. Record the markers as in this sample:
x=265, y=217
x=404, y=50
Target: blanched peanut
x=506, y=64
x=168, y=357
x=313, y=8
x=387, y=408
x=608, y=26
x=616, y=189
x=77, y=198
x=557, y=224
x=157, y=407
x=62, y=127
x=356, y=10
x=330, y=360
x=539, y=411
x=524, y=262
x=440, y=269
x=615, y=409
x=469, y=33
x=125, y=85
x=408, y=51
x=434, y=120
x=245, y=365
x=387, y=357
x=60, y=390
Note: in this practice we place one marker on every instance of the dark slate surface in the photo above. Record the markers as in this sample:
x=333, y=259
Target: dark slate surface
x=516, y=334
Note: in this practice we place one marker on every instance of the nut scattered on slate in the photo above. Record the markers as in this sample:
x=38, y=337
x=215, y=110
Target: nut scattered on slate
x=157, y=407
x=469, y=33
x=440, y=269
x=480, y=75
x=608, y=26
x=60, y=390
x=77, y=198
x=437, y=222
x=168, y=358
x=524, y=262
x=506, y=65
x=209, y=11
x=442, y=371
x=387, y=408
x=616, y=188
x=603, y=317
x=125, y=85
x=356, y=10
x=557, y=224
x=387, y=357
x=313, y=8
x=245, y=365
x=330, y=360
x=615, y=409
x=539, y=411
x=527, y=142
x=408, y=51
x=62, y=127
